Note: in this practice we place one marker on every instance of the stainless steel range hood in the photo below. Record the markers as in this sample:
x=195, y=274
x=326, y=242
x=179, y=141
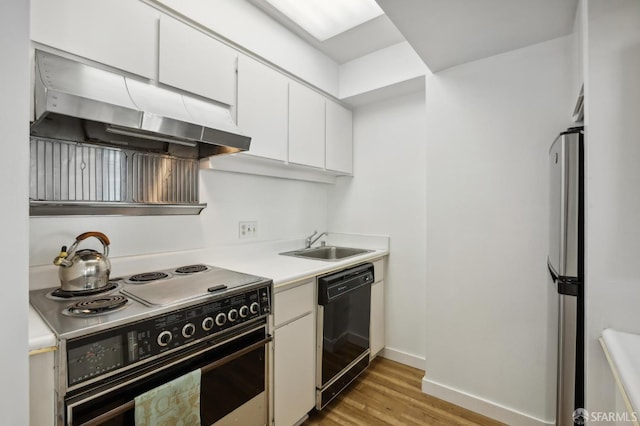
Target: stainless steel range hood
x=104, y=143
x=81, y=103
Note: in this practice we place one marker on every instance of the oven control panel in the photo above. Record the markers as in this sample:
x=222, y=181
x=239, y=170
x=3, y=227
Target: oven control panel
x=93, y=356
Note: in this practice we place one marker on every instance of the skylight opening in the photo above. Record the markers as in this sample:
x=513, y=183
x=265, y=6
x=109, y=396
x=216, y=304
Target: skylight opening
x=324, y=19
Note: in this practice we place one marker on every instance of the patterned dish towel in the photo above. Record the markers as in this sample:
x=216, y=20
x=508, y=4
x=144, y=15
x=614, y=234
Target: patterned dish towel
x=176, y=403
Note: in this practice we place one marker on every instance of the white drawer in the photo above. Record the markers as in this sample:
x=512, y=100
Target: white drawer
x=294, y=302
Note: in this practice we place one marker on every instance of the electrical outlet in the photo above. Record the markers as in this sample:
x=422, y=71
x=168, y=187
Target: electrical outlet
x=248, y=229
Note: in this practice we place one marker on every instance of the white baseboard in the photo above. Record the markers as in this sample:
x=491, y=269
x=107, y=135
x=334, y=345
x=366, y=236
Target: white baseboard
x=481, y=406
x=411, y=360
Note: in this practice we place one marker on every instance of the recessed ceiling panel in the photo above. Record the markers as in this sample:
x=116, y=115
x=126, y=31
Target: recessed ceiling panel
x=324, y=19
x=375, y=34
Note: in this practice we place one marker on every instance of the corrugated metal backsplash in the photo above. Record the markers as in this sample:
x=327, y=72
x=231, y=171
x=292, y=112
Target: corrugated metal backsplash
x=63, y=171
x=159, y=179
x=68, y=174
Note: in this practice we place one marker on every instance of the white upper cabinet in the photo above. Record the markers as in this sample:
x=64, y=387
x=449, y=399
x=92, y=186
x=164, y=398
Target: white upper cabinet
x=306, y=126
x=119, y=33
x=339, y=138
x=263, y=108
x=191, y=60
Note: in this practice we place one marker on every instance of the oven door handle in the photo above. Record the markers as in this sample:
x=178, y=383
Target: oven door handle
x=227, y=359
x=209, y=367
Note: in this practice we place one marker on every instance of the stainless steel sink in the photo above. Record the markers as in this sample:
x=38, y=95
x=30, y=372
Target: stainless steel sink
x=328, y=253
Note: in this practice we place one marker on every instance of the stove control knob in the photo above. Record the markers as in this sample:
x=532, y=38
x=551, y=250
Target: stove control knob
x=164, y=338
x=244, y=311
x=254, y=308
x=207, y=323
x=233, y=315
x=188, y=330
x=221, y=318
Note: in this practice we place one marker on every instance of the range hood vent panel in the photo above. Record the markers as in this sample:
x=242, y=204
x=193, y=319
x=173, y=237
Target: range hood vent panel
x=157, y=101
x=62, y=75
x=82, y=92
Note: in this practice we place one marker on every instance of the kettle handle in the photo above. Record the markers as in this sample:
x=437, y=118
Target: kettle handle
x=99, y=235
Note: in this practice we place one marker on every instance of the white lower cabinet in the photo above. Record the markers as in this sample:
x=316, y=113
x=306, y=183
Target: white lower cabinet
x=294, y=365
x=376, y=332
x=376, y=326
x=41, y=389
x=294, y=360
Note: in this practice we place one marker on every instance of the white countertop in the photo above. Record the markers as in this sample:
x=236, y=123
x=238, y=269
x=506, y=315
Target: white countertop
x=257, y=259
x=284, y=270
x=41, y=338
x=623, y=353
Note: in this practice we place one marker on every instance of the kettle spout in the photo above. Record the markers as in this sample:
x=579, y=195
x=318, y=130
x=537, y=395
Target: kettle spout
x=61, y=259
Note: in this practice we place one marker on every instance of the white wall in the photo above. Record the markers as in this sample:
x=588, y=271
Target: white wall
x=613, y=185
x=14, y=120
x=248, y=26
x=283, y=208
x=386, y=196
x=490, y=326
x=129, y=236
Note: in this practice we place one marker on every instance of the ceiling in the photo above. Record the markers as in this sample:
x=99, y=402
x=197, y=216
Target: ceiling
x=446, y=33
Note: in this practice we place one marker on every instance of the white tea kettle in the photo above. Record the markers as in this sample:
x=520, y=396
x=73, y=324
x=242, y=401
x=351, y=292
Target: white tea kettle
x=86, y=269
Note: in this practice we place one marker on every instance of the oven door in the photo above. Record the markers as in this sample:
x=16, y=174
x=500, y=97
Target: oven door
x=232, y=389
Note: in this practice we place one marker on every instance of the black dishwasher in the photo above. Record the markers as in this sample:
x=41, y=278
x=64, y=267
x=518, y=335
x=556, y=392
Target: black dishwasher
x=344, y=309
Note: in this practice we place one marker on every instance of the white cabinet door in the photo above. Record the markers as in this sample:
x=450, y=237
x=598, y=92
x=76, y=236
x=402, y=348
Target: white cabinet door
x=119, y=33
x=294, y=370
x=306, y=126
x=339, y=138
x=263, y=108
x=191, y=60
x=41, y=386
x=376, y=331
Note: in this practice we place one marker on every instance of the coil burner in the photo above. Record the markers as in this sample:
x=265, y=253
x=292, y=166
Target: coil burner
x=60, y=294
x=96, y=306
x=147, y=276
x=191, y=269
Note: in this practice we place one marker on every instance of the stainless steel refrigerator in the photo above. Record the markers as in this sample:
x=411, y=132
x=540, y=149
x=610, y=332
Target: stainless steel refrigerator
x=566, y=265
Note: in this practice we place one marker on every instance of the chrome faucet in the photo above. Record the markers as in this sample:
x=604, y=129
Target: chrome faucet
x=308, y=242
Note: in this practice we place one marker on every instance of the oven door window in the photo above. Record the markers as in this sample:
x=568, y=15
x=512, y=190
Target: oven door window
x=226, y=386
x=345, y=331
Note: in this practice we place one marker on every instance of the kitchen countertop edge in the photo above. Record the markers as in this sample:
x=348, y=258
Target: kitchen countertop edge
x=282, y=283
x=623, y=354
x=41, y=338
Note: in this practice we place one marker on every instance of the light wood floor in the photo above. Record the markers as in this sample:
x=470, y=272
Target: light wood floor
x=389, y=393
